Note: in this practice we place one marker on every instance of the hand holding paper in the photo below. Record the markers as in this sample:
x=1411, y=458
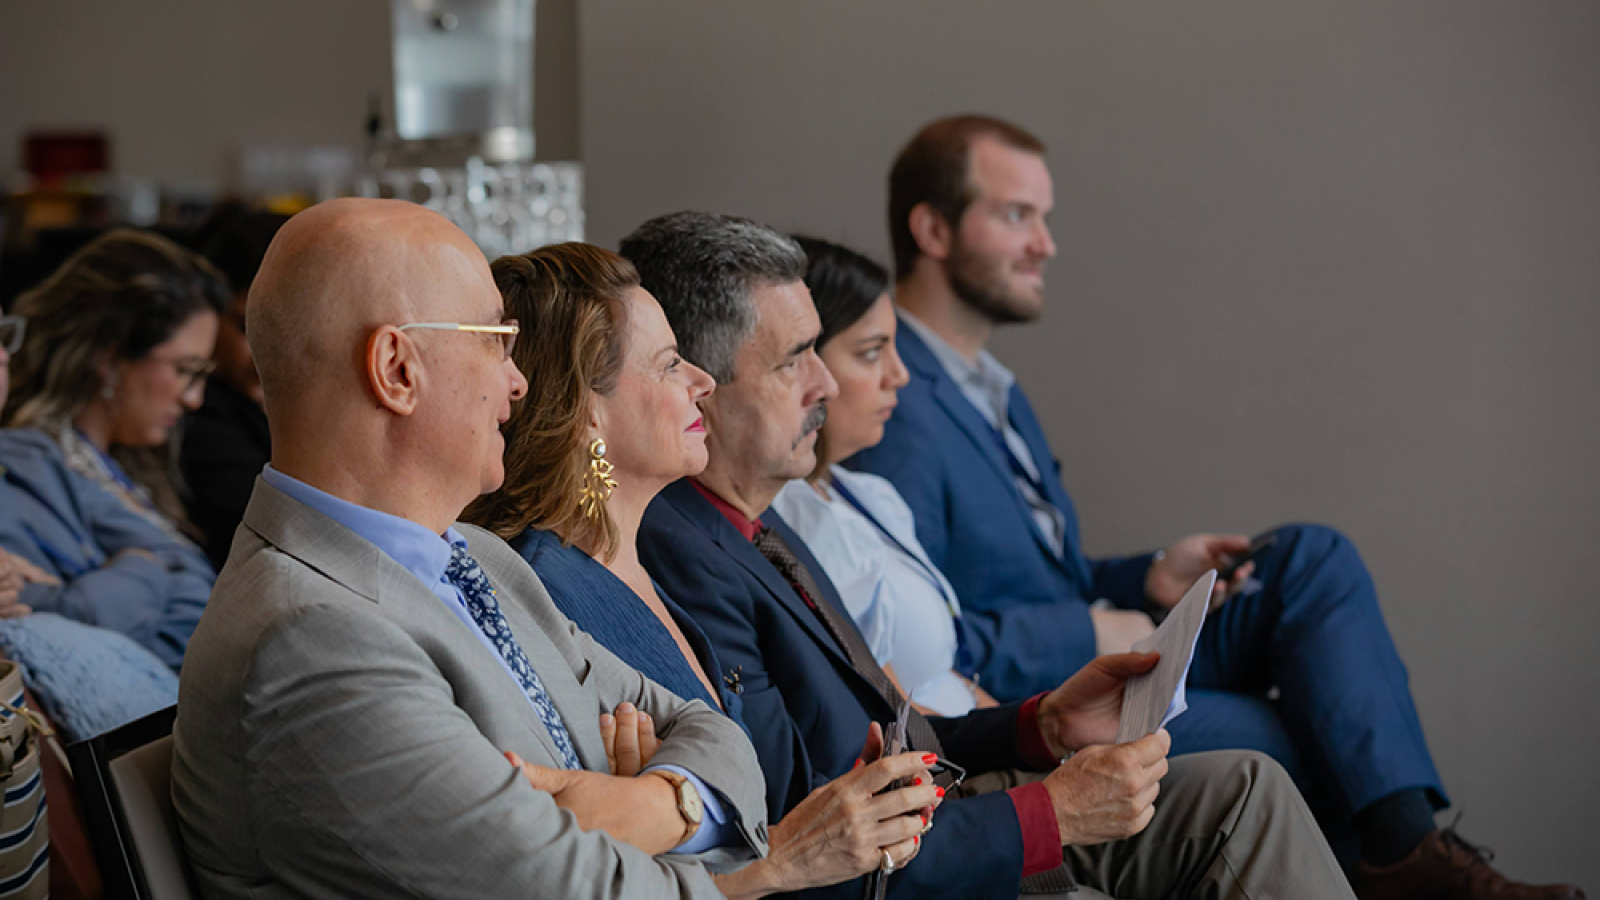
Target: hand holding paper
x=1087, y=708
x=1152, y=700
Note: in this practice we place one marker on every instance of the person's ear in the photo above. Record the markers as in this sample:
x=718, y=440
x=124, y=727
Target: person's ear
x=597, y=416
x=394, y=370
x=110, y=375
x=934, y=235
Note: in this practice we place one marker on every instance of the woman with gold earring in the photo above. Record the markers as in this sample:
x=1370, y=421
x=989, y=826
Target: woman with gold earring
x=598, y=486
x=600, y=359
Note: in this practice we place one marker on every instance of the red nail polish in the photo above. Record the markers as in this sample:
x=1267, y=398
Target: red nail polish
x=916, y=782
x=857, y=765
x=929, y=759
x=916, y=840
x=938, y=792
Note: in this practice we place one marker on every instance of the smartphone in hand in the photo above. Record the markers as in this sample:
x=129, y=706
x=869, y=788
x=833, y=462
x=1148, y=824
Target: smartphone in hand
x=1230, y=564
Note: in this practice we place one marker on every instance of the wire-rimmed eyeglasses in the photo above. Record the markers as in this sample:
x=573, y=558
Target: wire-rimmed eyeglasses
x=507, y=330
x=12, y=328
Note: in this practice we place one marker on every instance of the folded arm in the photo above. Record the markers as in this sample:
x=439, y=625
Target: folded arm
x=357, y=805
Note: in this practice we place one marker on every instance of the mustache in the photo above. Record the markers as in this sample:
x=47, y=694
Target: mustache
x=814, y=419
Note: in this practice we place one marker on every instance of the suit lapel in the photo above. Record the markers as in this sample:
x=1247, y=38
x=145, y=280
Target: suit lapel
x=352, y=561
x=1027, y=424
x=919, y=359
x=577, y=703
x=684, y=498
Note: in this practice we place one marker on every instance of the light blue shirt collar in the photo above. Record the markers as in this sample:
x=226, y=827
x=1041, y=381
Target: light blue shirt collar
x=418, y=550
x=987, y=386
x=988, y=383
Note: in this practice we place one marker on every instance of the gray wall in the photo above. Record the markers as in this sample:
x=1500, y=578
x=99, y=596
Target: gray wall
x=1334, y=262
x=182, y=85
x=1329, y=262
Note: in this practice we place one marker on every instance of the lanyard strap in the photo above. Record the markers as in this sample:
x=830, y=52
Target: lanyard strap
x=964, y=663
x=1017, y=468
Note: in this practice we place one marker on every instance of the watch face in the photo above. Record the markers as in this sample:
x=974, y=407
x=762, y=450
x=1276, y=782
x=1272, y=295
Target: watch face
x=689, y=801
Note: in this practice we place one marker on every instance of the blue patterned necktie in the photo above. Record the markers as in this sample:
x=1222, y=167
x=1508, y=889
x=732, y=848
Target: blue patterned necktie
x=468, y=577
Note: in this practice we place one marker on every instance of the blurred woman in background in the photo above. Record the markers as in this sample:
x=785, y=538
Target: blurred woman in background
x=71, y=548
x=118, y=347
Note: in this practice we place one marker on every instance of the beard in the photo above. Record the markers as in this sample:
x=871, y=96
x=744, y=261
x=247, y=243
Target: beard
x=814, y=419
x=981, y=284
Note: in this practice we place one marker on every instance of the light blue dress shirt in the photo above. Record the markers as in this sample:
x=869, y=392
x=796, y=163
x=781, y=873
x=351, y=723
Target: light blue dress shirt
x=898, y=598
x=987, y=386
x=426, y=555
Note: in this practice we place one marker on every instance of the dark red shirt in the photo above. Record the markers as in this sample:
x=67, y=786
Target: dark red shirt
x=1036, y=815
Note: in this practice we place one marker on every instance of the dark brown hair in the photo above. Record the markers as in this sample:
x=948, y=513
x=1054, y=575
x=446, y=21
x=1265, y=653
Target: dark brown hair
x=570, y=300
x=844, y=285
x=932, y=169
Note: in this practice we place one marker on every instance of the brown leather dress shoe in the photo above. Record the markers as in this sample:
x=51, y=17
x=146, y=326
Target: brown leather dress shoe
x=1445, y=867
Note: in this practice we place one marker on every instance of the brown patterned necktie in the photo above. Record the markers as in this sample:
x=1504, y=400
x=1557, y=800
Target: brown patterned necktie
x=777, y=551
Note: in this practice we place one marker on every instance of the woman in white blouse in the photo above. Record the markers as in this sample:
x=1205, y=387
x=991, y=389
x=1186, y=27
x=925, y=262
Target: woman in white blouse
x=855, y=523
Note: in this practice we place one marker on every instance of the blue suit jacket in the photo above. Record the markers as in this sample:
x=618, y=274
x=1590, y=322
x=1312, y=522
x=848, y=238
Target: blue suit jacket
x=1026, y=605
x=71, y=527
x=806, y=707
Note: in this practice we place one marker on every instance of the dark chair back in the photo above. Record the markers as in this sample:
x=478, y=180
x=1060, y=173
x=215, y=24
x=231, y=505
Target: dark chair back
x=124, y=780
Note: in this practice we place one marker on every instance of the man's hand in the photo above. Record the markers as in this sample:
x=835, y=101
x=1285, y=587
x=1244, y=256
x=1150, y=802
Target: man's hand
x=641, y=811
x=16, y=572
x=1108, y=793
x=1117, y=630
x=630, y=739
x=1171, y=576
x=1087, y=707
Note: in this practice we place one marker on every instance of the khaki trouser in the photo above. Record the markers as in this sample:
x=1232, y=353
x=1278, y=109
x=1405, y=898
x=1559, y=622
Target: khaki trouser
x=1228, y=824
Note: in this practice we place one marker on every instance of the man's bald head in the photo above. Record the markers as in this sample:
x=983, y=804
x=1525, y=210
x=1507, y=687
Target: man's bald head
x=403, y=421
x=336, y=272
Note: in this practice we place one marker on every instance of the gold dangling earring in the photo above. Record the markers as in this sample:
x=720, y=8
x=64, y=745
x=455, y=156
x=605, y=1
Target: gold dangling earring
x=598, y=484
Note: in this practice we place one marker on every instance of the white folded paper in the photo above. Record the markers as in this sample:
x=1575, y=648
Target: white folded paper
x=1155, y=698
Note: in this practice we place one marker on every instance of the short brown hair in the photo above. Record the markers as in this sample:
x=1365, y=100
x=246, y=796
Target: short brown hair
x=932, y=169
x=570, y=300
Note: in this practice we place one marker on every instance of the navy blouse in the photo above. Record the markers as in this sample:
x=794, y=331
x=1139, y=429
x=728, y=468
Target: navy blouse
x=614, y=615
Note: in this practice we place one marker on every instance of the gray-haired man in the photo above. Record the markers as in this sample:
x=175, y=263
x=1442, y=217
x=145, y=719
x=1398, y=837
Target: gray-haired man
x=1229, y=824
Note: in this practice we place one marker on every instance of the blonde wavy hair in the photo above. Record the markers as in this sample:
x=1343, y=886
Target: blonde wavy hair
x=571, y=301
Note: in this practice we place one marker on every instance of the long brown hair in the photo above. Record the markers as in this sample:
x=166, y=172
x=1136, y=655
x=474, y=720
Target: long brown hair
x=571, y=301
x=121, y=296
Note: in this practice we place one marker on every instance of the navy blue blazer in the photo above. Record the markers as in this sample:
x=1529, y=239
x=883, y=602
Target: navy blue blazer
x=612, y=614
x=806, y=707
x=1025, y=605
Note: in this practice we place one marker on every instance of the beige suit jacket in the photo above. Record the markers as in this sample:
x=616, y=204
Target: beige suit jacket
x=340, y=733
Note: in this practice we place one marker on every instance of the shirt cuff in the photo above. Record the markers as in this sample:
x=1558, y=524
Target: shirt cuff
x=715, y=828
x=1041, y=836
x=1030, y=740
